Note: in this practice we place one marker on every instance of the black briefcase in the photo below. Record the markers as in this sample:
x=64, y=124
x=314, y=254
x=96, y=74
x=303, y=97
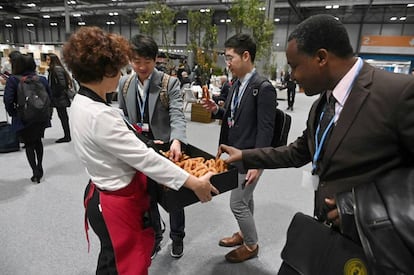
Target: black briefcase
x=313, y=248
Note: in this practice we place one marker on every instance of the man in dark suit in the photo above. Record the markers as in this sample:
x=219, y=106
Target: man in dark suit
x=371, y=131
x=248, y=118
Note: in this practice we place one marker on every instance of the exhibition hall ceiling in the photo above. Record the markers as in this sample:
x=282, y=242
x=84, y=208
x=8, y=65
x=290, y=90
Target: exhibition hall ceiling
x=98, y=12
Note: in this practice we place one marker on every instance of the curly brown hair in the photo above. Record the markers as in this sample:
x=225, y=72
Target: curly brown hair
x=92, y=54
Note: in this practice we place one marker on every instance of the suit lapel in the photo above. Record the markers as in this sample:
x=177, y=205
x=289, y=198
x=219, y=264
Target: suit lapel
x=247, y=92
x=352, y=106
x=154, y=92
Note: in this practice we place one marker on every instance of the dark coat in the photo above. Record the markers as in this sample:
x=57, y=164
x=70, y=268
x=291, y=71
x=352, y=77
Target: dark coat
x=254, y=119
x=373, y=135
x=59, y=84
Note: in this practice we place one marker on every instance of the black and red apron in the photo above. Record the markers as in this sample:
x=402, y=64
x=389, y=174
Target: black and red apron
x=117, y=219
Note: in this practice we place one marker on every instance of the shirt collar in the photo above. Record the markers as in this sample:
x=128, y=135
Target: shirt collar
x=243, y=80
x=340, y=91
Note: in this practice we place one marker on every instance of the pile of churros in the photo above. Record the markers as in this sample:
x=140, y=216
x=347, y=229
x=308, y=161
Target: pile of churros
x=199, y=166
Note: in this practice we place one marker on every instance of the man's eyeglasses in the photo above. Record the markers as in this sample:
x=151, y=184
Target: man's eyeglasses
x=228, y=58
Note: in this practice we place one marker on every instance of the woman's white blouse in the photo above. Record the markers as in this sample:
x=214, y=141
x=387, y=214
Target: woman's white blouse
x=110, y=151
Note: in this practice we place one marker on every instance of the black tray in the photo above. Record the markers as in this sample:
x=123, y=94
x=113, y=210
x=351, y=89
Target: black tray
x=172, y=200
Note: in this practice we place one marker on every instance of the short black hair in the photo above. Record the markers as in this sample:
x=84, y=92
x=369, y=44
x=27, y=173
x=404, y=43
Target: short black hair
x=242, y=42
x=322, y=31
x=23, y=63
x=145, y=46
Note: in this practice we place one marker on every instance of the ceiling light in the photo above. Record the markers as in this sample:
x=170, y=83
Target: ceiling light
x=31, y=5
x=393, y=18
x=16, y=17
x=1, y=7
x=402, y=18
x=277, y=20
x=113, y=14
x=77, y=15
x=72, y=2
x=81, y=23
x=110, y=22
x=53, y=24
x=335, y=6
x=46, y=16
x=328, y=7
x=144, y=22
x=8, y=25
x=410, y=5
x=30, y=24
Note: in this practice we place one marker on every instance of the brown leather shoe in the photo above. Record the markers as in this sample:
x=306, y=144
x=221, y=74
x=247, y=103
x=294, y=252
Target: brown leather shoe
x=241, y=254
x=234, y=240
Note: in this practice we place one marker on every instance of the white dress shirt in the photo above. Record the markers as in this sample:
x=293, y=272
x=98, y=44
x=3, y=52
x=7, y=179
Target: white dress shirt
x=110, y=151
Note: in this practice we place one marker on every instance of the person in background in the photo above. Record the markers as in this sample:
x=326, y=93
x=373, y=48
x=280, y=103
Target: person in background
x=59, y=81
x=117, y=162
x=362, y=143
x=184, y=79
x=248, y=119
x=290, y=85
x=160, y=116
x=224, y=91
x=30, y=133
x=6, y=69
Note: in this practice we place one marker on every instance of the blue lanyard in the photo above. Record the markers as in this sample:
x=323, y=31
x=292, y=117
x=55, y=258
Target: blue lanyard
x=142, y=102
x=319, y=144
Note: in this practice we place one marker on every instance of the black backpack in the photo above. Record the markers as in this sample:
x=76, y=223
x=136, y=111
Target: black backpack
x=282, y=120
x=33, y=102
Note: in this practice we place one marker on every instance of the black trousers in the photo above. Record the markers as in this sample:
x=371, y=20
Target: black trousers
x=291, y=97
x=177, y=218
x=64, y=119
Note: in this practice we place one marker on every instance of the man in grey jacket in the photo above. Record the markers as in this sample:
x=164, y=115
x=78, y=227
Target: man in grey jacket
x=159, y=114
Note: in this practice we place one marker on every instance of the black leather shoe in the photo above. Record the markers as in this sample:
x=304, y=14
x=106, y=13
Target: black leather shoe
x=64, y=139
x=35, y=179
x=177, y=249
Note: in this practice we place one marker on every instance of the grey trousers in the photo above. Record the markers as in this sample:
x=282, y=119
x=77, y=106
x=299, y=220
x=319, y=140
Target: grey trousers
x=242, y=206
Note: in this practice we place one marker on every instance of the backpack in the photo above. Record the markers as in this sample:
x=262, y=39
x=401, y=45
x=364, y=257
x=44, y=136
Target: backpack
x=33, y=102
x=282, y=120
x=165, y=101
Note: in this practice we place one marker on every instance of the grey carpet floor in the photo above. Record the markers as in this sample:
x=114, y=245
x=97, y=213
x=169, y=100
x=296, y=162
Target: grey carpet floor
x=42, y=225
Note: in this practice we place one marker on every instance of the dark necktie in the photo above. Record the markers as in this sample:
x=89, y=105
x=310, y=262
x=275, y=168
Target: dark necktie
x=236, y=98
x=327, y=116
